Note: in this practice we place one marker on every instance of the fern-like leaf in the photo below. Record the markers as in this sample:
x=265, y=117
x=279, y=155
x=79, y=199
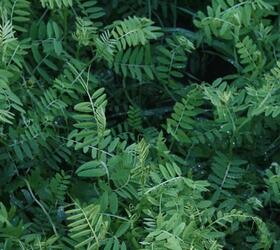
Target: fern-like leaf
x=87, y=226
x=134, y=31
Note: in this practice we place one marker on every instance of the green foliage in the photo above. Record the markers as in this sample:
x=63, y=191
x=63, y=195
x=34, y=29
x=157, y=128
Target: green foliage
x=87, y=227
x=139, y=124
x=134, y=31
x=56, y=3
x=172, y=58
x=136, y=63
x=135, y=118
x=59, y=185
x=250, y=56
x=226, y=172
x=273, y=183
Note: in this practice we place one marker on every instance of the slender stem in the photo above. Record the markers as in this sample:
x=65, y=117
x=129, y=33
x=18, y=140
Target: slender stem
x=126, y=93
x=162, y=184
x=41, y=206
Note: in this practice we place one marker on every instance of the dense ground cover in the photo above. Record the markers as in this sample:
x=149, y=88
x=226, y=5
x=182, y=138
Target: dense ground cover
x=139, y=124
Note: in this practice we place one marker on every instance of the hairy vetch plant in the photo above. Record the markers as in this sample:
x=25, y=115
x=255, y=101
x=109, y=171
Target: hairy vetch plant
x=139, y=124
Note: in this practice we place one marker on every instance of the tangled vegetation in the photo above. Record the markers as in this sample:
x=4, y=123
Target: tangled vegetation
x=139, y=124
